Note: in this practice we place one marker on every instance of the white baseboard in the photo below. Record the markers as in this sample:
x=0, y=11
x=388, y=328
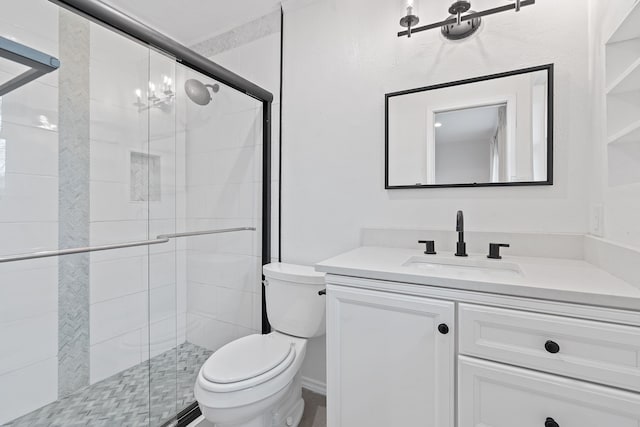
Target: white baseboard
x=314, y=386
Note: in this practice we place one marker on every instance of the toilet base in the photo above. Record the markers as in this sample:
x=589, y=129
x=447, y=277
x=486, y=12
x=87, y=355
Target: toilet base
x=289, y=413
x=286, y=412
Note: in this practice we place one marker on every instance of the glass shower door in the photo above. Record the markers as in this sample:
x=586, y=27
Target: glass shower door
x=74, y=327
x=110, y=150
x=205, y=285
x=163, y=170
x=118, y=390
x=28, y=220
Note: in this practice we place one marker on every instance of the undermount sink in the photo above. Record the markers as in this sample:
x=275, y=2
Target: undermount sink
x=461, y=267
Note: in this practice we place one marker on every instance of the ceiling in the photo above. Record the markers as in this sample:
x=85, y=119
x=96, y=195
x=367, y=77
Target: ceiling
x=191, y=21
x=470, y=124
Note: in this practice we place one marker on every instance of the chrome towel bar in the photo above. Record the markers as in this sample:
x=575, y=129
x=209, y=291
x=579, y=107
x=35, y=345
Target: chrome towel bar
x=163, y=238
x=202, y=233
x=46, y=254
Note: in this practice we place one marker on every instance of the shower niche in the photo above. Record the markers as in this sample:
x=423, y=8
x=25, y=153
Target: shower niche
x=145, y=177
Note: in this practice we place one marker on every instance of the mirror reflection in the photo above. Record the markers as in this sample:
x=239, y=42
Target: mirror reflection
x=493, y=130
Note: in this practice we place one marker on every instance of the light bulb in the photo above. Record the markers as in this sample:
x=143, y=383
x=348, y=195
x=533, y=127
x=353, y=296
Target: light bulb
x=138, y=93
x=410, y=7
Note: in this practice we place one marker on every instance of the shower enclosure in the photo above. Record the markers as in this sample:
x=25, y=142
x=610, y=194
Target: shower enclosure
x=134, y=219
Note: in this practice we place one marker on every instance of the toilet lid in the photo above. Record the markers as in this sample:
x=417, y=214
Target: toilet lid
x=247, y=358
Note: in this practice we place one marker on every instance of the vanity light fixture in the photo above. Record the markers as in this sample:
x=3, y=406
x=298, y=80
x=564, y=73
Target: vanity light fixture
x=462, y=22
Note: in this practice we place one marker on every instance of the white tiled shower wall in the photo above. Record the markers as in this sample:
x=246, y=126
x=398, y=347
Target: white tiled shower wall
x=29, y=219
x=223, y=183
x=134, y=292
x=224, y=291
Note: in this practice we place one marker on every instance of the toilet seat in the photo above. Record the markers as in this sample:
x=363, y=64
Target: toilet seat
x=245, y=363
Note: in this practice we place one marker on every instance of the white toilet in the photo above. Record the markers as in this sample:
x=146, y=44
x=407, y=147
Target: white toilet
x=255, y=381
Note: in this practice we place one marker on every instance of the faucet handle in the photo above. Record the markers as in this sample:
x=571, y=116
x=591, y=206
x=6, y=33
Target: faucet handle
x=494, y=250
x=430, y=248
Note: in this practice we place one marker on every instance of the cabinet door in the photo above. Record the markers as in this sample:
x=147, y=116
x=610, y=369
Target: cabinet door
x=387, y=362
x=495, y=395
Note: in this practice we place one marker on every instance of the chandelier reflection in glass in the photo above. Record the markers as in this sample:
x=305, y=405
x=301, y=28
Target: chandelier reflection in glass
x=158, y=96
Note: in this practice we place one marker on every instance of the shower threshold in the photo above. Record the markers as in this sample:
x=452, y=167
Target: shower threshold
x=124, y=399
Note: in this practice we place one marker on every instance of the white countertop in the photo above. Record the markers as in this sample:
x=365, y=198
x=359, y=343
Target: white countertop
x=562, y=280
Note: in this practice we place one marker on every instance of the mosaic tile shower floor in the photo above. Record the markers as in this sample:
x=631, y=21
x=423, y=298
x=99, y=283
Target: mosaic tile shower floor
x=123, y=399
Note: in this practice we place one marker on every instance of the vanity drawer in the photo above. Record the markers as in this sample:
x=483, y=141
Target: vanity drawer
x=595, y=351
x=495, y=395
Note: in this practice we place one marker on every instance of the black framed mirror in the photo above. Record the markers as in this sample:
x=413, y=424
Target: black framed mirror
x=494, y=130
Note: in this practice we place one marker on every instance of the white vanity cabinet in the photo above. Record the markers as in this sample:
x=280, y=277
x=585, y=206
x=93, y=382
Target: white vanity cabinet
x=504, y=361
x=391, y=359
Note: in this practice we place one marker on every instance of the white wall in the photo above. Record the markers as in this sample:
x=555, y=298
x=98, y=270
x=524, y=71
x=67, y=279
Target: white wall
x=463, y=161
x=621, y=203
x=29, y=219
x=341, y=57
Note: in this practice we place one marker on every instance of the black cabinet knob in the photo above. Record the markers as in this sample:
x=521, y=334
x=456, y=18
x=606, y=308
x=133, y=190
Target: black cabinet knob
x=551, y=423
x=322, y=292
x=552, y=347
x=443, y=328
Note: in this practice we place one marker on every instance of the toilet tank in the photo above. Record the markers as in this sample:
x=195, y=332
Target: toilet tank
x=293, y=304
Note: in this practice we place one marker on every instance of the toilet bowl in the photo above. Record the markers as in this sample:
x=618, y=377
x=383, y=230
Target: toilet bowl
x=255, y=381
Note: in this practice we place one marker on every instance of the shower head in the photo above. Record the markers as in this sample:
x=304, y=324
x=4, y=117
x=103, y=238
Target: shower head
x=198, y=92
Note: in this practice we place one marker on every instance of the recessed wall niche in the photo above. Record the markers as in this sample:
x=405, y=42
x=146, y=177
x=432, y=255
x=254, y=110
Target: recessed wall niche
x=623, y=101
x=145, y=177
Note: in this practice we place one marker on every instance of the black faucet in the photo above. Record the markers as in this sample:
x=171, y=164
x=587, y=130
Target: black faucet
x=461, y=246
